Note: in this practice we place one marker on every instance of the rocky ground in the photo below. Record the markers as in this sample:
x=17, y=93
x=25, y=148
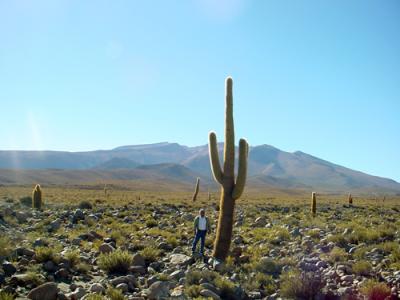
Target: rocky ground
x=142, y=251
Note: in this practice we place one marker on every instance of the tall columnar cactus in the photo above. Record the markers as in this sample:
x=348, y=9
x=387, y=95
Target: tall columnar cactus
x=350, y=200
x=196, y=189
x=313, y=204
x=37, y=197
x=231, y=189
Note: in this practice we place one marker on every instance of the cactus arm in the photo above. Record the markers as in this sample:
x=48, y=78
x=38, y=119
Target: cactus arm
x=242, y=172
x=214, y=158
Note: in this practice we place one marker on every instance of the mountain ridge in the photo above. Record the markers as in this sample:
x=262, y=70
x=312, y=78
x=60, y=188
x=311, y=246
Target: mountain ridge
x=268, y=166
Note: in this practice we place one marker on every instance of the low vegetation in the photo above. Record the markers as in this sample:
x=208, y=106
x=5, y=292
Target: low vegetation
x=277, y=245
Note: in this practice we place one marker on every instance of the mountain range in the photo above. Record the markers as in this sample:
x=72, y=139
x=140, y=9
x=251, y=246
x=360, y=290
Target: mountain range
x=268, y=167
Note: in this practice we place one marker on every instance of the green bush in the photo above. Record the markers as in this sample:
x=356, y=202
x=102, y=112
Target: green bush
x=336, y=255
x=43, y=254
x=115, y=294
x=261, y=282
x=117, y=262
x=268, y=266
x=150, y=254
x=73, y=257
x=193, y=291
x=5, y=247
x=374, y=290
x=300, y=285
x=26, y=201
x=94, y=297
x=362, y=267
x=226, y=287
x=151, y=223
x=338, y=239
x=193, y=276
x=6, y=296
x=85, y=205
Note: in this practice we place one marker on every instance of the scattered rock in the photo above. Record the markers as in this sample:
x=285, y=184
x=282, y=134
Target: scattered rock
x=97, y=288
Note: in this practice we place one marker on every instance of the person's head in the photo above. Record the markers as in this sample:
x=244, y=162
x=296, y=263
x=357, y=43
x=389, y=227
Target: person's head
x=202, y=212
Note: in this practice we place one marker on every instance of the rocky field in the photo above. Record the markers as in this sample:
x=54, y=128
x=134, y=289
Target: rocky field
x=139, y=248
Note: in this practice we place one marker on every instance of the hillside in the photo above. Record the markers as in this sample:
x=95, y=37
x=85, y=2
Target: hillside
x=268, y=166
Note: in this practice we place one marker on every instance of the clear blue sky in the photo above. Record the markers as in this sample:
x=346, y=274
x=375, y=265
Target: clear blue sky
x=318, y=76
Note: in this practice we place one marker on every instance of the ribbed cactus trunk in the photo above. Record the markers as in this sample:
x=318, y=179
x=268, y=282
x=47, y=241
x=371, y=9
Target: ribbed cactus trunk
x=231, y=190
x=37, y=197
x=350, y=199
x=313, y=204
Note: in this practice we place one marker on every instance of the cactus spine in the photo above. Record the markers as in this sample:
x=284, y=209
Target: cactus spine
x=350, y=200
x=231, y=189
x=196, y=190
x=37, y=197
x=313, y=204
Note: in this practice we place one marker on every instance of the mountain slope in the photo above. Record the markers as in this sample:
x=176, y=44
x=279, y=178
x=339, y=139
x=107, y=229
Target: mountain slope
x=268, y=166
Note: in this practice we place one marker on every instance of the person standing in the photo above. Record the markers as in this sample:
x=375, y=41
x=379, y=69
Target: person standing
x=201, y=228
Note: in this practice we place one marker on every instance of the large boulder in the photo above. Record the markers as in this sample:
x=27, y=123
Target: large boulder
x=180, y=259
x=158, y=290
x=46, y=291
x=8, y=268
x=138, y=260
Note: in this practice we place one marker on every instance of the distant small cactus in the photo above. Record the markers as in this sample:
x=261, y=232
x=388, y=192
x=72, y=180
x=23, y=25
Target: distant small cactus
x=37, y=197
x=196, y=190
x=105, y=190
x=313, y=204
x=350, y=200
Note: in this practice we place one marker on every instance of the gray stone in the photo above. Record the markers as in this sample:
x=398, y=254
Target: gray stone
x=209, y=294
x=62, y=273
x=2, y=277
x=97, y=288
x=78, y=216
x=49, y=266
x=180, y=259
x=55, y=225
x=123, y=287
x=137, y=269
x=342, y=291
x=39, y=243
x=158, y=290
x=138, y=260
x=25, y=252
x=8, y=268
x=260, y=222
x=21, y=217
x=77, y=294
x=76, y=241
x=322, y=264
x=176, y=275
x=348, y=278
x=106, y=248
x=209, y=286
